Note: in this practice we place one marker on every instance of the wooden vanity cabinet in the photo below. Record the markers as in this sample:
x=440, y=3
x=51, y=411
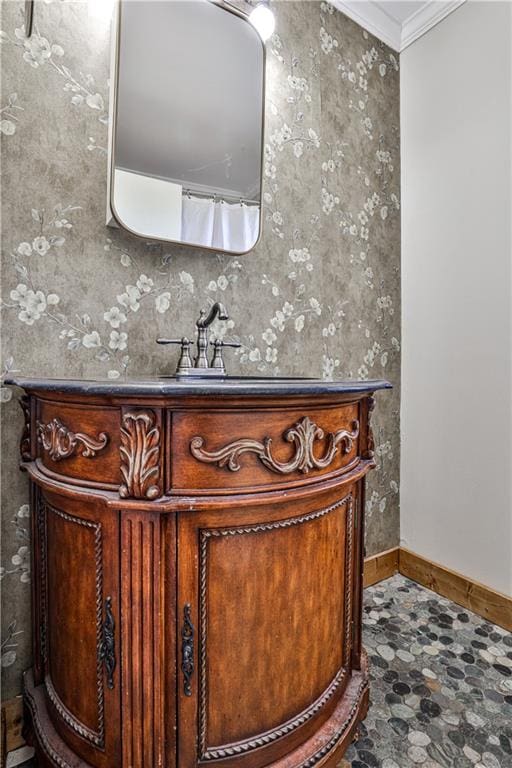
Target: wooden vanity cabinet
x=197, y=573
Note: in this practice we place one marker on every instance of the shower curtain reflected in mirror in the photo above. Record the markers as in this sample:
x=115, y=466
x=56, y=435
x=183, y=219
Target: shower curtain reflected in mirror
x=218, y=224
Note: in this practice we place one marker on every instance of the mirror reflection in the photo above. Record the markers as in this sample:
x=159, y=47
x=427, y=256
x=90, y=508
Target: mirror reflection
x=188, y=124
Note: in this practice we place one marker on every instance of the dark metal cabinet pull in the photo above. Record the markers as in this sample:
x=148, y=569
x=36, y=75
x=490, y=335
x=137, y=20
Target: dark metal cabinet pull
x=108, y=649
x=187, y=650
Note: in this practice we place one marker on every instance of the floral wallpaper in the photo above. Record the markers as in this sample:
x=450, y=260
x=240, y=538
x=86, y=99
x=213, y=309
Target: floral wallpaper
x=318, y=296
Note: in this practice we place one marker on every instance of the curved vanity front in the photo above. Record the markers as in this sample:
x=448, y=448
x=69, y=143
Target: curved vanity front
x=197, y=561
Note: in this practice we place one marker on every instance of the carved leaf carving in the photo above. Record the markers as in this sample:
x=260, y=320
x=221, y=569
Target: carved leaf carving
x=61, y=442
x=303, y=435
x=140, y=456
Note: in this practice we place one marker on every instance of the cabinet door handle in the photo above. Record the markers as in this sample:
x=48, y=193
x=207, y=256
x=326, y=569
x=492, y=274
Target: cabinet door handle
x=108, y=646
x=187, y=650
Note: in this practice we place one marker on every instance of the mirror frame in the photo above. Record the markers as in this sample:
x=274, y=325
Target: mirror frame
x=113, y=219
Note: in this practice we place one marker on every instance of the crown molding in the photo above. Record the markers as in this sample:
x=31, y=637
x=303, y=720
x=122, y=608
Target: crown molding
x=372, y=16
x=424, y=19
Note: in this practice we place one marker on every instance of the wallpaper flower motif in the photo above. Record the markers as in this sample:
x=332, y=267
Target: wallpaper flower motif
x=318, y=296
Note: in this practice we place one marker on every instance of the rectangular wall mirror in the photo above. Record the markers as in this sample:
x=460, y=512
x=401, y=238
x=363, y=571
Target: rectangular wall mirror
x=187, y=133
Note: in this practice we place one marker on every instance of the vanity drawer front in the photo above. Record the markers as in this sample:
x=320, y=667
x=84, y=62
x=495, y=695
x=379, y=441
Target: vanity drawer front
x=258, y=448
x=79, y=442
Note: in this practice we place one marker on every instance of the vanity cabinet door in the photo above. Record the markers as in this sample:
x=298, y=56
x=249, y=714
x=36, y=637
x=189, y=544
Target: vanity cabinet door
x=79, y=609
x=264, y=625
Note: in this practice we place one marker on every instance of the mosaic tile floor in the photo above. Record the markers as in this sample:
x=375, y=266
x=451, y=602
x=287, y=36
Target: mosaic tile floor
x=441, y=684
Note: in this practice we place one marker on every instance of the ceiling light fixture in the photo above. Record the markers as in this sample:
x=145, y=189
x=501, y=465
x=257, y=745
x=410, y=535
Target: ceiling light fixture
x=263, y=19
x=100, y=9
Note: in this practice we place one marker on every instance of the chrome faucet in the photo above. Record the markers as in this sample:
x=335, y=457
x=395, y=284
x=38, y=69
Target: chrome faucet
x=201, y=365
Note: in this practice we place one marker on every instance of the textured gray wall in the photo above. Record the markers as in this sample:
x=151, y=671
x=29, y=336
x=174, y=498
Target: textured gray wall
x=320, y=295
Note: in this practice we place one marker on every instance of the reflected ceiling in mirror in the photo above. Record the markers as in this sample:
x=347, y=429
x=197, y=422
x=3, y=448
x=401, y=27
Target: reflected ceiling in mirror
x=187, y=138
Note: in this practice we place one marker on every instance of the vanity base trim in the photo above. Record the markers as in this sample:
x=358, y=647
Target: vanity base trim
x=39, y=731
x=327, y=746
x=322, y=750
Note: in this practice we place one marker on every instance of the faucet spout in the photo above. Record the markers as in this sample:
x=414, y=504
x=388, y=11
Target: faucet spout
x=202, y=325
x=218, y=310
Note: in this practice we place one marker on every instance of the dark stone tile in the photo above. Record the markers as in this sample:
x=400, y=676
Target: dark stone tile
x=400, y=726
x=401, y=689
x=430, y=708
x=455, y=672
x=505, y=671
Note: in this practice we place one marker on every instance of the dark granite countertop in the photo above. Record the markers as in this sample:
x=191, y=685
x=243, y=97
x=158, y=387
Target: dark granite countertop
x=172, y=387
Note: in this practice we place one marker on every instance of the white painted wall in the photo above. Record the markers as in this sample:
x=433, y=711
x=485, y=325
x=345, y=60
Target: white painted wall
x=456, y=466
x=147, y=205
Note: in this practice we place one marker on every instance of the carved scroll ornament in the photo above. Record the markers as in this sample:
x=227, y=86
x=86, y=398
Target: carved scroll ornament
x=61, y=442
x=140, y=456
x=303, y=435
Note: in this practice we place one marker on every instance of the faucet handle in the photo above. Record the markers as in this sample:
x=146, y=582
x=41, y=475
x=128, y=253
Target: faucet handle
x=217, y=360
x=221, y=343
x=184, y=363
